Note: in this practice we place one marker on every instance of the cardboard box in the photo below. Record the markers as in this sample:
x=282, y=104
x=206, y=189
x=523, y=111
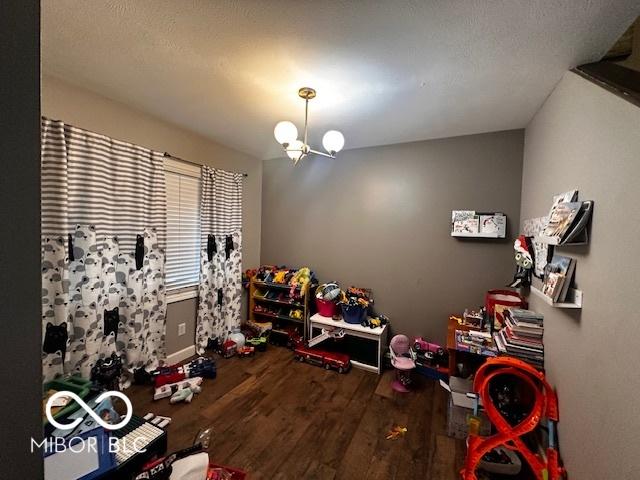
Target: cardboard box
x=460, y=407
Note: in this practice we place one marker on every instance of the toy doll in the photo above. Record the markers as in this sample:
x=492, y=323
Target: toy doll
x=524, y=262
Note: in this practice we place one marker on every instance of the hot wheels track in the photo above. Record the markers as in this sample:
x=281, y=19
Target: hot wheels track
x=545, y=405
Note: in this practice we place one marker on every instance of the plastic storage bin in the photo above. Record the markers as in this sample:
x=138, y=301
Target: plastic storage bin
x=326, y=308
x=353, y=313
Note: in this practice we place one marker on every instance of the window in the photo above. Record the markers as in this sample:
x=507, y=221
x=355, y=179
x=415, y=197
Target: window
x=183, y=230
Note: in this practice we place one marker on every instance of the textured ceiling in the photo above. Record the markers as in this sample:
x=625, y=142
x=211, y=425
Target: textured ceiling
x=385, y=71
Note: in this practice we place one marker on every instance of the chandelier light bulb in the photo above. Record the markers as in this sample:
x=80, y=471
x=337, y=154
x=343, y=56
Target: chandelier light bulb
x=285, y=132
x=333, y=141
x=295, y=150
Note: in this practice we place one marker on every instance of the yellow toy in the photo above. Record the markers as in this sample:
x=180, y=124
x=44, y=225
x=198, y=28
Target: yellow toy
x=279, y=276
x=300, y=279
x=396, y=432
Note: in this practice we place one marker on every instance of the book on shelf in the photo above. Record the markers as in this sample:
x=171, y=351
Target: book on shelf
x=564, y=268
x=561, y=218
x=552, y=285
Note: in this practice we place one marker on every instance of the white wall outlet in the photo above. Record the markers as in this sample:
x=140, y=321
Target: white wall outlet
x=182, y=328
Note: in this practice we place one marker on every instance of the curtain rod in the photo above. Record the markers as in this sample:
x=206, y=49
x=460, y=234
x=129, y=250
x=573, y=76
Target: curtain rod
x=168, y=155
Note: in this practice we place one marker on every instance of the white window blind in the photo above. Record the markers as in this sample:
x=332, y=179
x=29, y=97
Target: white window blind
x=183, y=231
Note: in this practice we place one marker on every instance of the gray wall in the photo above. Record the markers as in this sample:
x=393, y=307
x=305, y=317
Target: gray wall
x=89, y=110
x=20, y=283
x=587, y=138
x=380, y=218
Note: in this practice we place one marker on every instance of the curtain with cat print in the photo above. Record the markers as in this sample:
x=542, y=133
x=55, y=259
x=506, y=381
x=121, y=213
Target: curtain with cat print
x=103, y=228
x=220, y=289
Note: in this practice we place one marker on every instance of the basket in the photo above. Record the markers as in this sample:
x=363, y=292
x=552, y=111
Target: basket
x=353, y=313
x=326, y=308
x=497, y=300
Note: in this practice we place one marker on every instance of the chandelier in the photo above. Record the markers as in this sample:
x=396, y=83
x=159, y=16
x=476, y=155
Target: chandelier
x=286, y=134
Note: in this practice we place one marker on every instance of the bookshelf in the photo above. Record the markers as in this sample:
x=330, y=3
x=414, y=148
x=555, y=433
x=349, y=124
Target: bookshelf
x=574, y=298
x=279, y=307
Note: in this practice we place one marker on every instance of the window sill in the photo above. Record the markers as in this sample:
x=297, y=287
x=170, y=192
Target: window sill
x=182, y=294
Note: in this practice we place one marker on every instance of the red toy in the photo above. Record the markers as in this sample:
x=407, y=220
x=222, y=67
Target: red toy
x=321, y=358
x=246, y=351
x=170, y=374
x=228, y=349
x=507, y=436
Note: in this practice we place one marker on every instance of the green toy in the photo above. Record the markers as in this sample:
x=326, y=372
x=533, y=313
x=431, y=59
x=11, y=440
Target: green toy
x=260, y=343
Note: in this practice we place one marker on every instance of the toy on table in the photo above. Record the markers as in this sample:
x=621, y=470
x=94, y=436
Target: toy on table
x=523, y=248
x=375, y=322
x=321, y=358
x=228, y=349
x=396, y=432
x=246, y=351
x=403, y=360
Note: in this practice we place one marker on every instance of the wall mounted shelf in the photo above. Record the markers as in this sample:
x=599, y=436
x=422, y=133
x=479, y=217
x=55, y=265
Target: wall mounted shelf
x=574, y=298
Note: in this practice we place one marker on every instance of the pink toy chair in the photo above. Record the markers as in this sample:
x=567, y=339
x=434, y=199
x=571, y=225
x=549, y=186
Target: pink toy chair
x=402, y=359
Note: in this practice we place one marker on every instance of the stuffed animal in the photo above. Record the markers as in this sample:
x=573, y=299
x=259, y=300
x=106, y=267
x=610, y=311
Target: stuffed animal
x=185, y=394
x=524, y=262
x=300, y=279
x=279, y=276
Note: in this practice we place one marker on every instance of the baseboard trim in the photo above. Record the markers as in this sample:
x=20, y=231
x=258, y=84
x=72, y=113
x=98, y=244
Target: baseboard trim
x=181, y=355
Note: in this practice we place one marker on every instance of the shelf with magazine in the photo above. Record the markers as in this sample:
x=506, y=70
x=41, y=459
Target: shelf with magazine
x=567, y=225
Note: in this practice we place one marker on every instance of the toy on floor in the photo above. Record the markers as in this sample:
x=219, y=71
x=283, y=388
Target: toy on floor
x=321, y=358
x=545, y=405
x=403, y=360
x=169, y=389
x=157, y=420
x=200, y=367
x=228, y=349
x=259, y=343
x=246, y=351
x=396, y=432
x=185, y=394
x=106, y=372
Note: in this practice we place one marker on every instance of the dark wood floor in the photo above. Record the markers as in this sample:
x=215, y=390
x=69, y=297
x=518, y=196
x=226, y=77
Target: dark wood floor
x=279, y=419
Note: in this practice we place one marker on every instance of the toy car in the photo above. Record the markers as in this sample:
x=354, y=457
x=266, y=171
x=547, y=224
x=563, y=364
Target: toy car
x=321, y=358
x=284, y=337
x=202, y=367
x=228, y=349
x=246, y=351
x=430, y=353
x=260, y=343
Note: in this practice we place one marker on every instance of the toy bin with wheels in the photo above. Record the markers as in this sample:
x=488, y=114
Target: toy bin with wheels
x=353, y=313
x=326, y=308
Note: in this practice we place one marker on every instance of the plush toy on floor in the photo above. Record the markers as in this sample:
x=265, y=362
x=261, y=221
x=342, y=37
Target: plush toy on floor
x=185, y=394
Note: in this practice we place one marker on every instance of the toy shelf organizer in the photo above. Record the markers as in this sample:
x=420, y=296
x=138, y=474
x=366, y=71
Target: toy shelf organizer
x=272, y=302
